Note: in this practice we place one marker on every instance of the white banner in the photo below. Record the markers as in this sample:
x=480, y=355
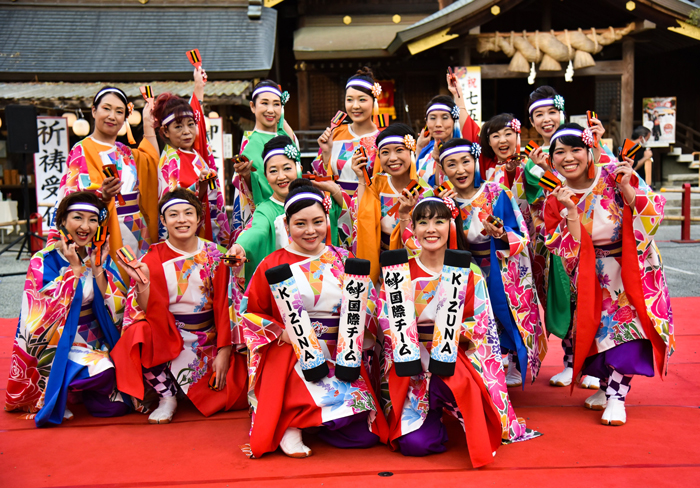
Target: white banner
x=659, y=116
x=216, y=139
x=50, y=161
x=470, y=80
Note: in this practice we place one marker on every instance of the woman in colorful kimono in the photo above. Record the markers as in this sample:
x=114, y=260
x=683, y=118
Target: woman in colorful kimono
x=251, y=186
x=602, y=224
x=268, y=233
x=136, y=169
x=443, y=120
x=187, y=158
x=69, y=322
x=381, y=213
x=546, y=109
x=505, y=242
x=177, y=333
x=476, y=393
x=283, y=401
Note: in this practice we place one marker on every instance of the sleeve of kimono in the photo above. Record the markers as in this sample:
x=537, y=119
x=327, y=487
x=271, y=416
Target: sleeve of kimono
x=243, y=207
x=367, y=230
x=262, y=322
x=115, y=294
x=383, y=322
x=533, y=190
x=258, y=231
x=52, y=296
x=470, y=130
x=518, y=238
x=221, y=311
x=146, y=159
x=335, y=215
x=317, y=165
x=475, y=327
x=648, y=211
x=559, y=240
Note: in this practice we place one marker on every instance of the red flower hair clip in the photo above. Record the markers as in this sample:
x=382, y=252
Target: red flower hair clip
x=587, y=137
x=451, y=205
x=327, y=203
x=515, y=125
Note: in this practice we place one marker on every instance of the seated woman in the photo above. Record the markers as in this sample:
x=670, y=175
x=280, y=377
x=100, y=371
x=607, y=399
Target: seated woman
x=283, y=401
x=177, y=333
x=511, y=289
x=266, y=232
x=70, y=319
x=475, y=393
x=602, y=224
x=187, y=158
x=377, y=226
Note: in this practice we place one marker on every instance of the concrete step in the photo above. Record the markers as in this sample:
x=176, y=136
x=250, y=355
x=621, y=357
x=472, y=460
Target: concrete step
x=686, y=158
x=676, y=151
x=677, y=179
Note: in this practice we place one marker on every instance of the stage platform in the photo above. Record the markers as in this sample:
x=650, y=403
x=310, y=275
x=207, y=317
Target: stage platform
x=659, y=446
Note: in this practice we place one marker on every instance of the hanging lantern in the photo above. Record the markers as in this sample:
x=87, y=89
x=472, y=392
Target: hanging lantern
x=81, y=127
x=135, y=118
x=70, y=118
x=214, y=115
x=122, y=131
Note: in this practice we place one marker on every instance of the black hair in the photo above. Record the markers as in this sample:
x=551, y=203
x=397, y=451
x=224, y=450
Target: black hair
x=113, y=91
x=494, y=124
x=429, y=209
x=277, y=142
x=572, y=141
x=185, y=194
x=77, y=197
x=300, y=185
x=454, y=143
x=541, y=93
x=443, y=99
x=365, y=74
x=263, y=83
x=640, y=132
x=396, y=129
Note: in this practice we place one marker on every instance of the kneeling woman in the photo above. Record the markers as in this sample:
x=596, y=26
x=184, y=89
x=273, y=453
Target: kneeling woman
x=475, y=392
x=282, y=399
x=177, y=331
x=71, y=312
x=498, y=245
x=602, y=224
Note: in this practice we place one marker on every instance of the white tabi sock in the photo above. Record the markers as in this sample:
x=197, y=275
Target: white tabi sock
x=165, y=411
x=293, y=445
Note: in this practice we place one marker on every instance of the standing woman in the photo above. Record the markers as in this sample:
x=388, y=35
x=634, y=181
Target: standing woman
x=606, y=240
x=69, y=323
x=267, y=105
x=267, y=232
x=375, y=229
x=282, y=400
x=476, y=393
x=136, y=168
x=511, y=285
x=177, y=334
x=187, y=157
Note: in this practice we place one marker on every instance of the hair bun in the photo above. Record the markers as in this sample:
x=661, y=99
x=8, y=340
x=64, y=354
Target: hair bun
x=366, y=71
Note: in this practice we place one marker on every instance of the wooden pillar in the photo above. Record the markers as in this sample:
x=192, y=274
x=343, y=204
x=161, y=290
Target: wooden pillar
x=303, y=93
x=627, y=89
x=465, y=58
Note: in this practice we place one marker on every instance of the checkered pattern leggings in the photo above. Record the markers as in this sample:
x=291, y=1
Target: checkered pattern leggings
x=159, y=378
x=616, y=385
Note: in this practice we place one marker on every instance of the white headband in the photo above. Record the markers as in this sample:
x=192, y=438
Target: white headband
x=455, y=150
x=174, y=201
x=121, y=94
x=274, y=152
x=392, y=140
x=171, y=117
x=566, y=132
x=83, y=207
x=266, y=89
x=545, y=102
x=302, y=196
x=357, y=82
x=431, y=199
x=438, y=106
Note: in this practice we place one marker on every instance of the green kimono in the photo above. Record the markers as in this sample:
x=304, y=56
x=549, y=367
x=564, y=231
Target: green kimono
x=266, y=233
x=253, y=145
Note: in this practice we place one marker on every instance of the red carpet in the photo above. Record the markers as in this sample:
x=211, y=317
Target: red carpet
x=659, y=446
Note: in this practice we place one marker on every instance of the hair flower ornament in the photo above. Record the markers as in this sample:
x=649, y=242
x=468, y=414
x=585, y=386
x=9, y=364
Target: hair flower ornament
x=476, y=150
x=409, y=142
x=515, y=125
x=376, y=90
x=291, y=151
x=587, y=137
x=327, y=203
x=451, y=205
x=455, y=112
x=559, y=102
x=284, y=98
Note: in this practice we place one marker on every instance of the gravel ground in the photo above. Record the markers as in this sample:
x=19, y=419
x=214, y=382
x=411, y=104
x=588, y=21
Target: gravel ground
x=681, y=261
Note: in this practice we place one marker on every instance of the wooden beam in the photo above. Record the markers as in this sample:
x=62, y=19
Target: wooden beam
x=303, y=94
x=601, y=68
x=627, y=89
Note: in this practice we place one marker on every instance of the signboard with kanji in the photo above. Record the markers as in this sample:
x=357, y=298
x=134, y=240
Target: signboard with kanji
x=469, y=78
x=50, y=161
